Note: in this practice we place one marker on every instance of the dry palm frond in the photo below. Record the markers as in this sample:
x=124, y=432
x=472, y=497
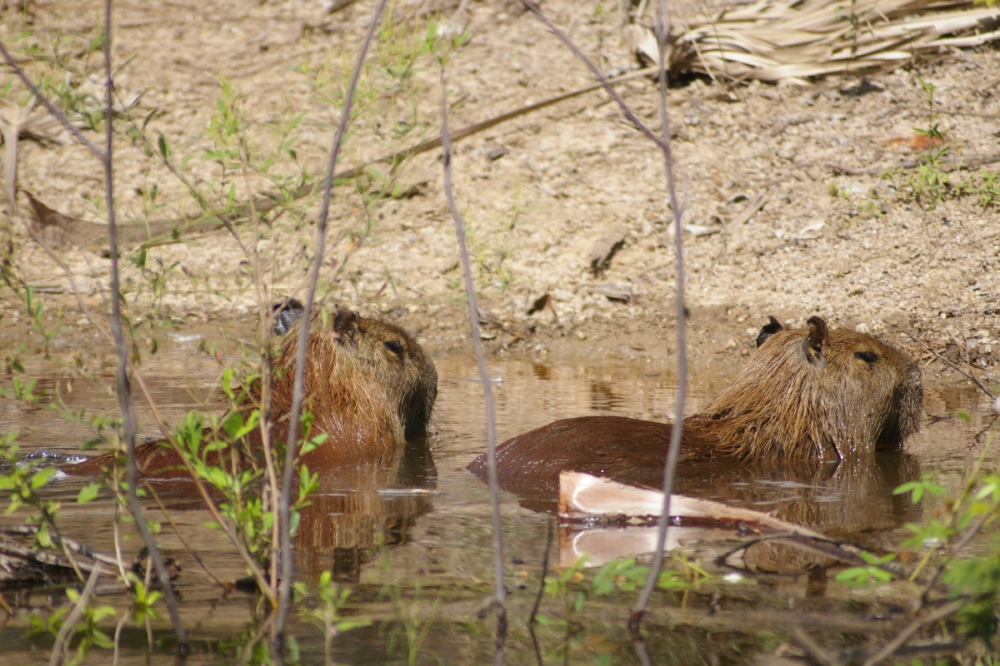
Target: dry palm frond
x=796, y=39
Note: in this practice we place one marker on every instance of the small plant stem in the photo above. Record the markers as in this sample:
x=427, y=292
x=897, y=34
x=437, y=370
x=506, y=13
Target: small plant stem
x=49, y=106
x=676, y=432
x=248, y=647
x=969, y=533
x=69, y=624
x=267, y=369
x=545, y=570
x=119, y=556
x=266, y=382
x=124, y=391
x=291, y=445
x=477, y=347
x=255, y=571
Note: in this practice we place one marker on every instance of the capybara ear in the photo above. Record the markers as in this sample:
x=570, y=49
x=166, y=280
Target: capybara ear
x=769, y=329
x=346, y=324
x=815, y=340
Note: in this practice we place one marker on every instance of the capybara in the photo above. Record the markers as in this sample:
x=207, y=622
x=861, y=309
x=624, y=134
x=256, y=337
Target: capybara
x=368, y=385
x=812, y=394
x=285, y=314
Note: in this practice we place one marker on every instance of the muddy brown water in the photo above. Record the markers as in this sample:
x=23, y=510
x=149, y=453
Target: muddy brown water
x=415, y=545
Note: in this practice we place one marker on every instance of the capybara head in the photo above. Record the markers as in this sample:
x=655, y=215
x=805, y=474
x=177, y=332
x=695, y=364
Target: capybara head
x=816, y=393
x=285, y=314
x=368, y=385
x=365, y=378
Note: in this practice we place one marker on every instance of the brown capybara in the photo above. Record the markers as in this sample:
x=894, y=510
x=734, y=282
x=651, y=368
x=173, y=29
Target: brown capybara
x=368, y=385
x=811, y=394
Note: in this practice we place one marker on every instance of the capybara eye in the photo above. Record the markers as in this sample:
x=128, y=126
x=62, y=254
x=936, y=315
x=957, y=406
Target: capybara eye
x=866, y=356
x=394, y=346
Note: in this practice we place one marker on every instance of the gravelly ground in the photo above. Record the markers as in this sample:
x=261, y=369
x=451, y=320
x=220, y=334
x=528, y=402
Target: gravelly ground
x=830, y=234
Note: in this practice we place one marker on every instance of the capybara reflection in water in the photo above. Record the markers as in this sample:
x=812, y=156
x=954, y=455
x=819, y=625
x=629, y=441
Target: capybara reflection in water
x=368, y=385
x=812, y=394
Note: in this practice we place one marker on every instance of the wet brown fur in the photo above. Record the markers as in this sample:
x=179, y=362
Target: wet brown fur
x=806, y=395
x=367, y=383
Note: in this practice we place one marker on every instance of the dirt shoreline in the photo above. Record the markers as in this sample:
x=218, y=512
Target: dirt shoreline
x=788, y=212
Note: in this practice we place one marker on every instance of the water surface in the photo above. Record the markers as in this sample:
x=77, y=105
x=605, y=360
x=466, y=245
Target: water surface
x=415, y=545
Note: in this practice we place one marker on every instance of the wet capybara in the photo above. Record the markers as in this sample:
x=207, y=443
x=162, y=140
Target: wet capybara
x=812, y=394
x=368, y=385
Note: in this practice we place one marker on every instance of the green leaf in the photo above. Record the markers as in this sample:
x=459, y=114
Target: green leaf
x=215, y=476
x=102, y=612
x=39, y=479
x=227, y=384
x=246, y=428
x=161, y=143
x=88, y=493
x=347, y=625
x=102, y=640
x=313, y=443
x=671, y=580
x=991, y=486
x=43, y=537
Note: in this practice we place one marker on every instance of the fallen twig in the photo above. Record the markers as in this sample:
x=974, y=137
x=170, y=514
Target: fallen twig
x=913, y=627
x=89, y=235
x=814, y=649
x=955, y=164
x=954, y=367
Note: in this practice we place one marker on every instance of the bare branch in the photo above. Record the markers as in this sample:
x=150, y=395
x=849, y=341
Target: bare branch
x=291, y=445
x=815, y=651
x=632, y=118
x=124, y=390
x=676, y=433
x=500, y=592
x=663, y=142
